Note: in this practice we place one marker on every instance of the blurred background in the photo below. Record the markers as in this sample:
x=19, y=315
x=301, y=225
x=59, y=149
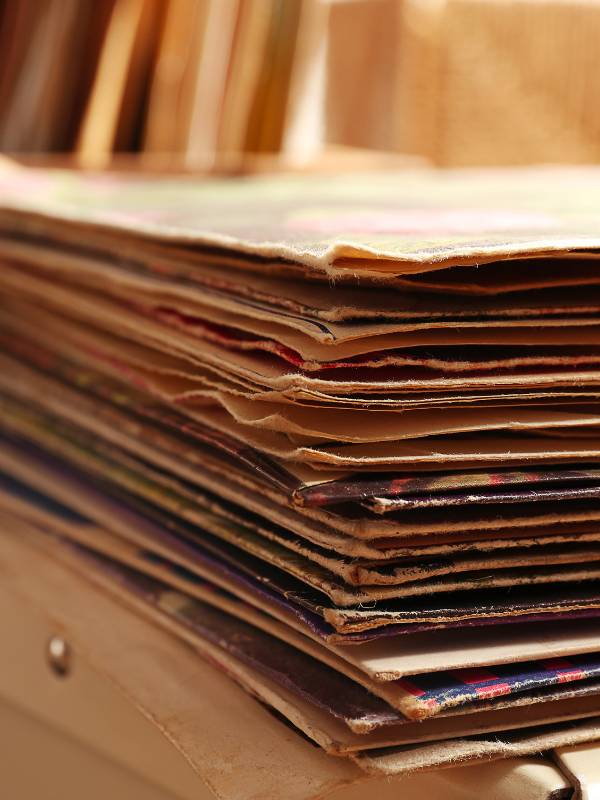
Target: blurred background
x=229, y=84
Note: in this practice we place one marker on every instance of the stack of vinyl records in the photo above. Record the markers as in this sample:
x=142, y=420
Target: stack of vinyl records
x=340, y=434
x=196, y=82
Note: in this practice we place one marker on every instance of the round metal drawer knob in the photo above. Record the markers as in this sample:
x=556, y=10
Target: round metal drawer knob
x=58, y=655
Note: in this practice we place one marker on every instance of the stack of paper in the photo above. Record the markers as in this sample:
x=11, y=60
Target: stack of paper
x=340, y=434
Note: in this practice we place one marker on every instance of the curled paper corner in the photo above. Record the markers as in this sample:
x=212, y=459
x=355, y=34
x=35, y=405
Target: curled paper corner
x=581, y=764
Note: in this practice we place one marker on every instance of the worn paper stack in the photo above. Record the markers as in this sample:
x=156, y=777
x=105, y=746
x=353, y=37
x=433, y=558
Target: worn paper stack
x=340, y=434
